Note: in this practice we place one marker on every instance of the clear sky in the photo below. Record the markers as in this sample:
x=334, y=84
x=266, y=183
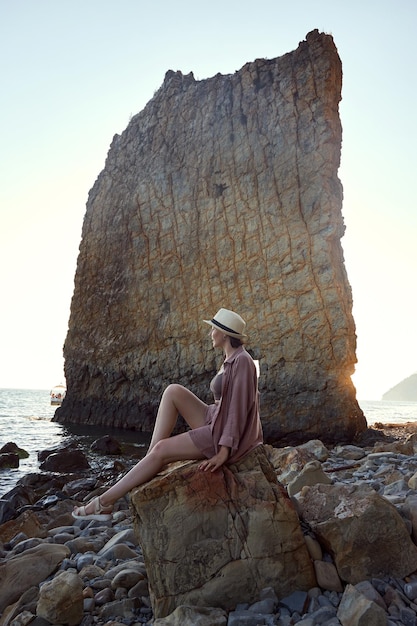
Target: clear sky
x=73, y=72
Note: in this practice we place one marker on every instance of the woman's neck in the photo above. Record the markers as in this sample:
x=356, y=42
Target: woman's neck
x=229, y=351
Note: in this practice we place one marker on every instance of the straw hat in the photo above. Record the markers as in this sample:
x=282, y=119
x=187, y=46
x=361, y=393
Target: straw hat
x=229, y=322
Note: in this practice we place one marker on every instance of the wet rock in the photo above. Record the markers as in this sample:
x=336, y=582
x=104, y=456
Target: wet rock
x=7, y=511
x=85, y=484
x=106, y=445
x=65, y=461
x=9, y=461
x=12, y=448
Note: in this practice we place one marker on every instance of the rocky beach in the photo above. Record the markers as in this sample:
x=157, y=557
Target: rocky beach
x=57, y=570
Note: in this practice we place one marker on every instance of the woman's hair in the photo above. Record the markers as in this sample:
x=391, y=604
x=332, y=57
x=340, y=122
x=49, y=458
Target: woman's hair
x=235, y=342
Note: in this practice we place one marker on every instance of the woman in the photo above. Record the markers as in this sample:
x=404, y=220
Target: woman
x=221, y=432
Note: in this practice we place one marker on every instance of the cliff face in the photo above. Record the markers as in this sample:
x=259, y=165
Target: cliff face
x=220, y=193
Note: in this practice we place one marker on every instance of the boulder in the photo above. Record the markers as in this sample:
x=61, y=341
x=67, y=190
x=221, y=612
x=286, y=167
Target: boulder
x=217, y=539
x=363, y=532
x=7, y=511
x=61, y=599
x=311, y=474
x=27, y=523
x=20, y=573
x=106, y=445
x=25, y=605
x=289, y=461
x=13, y=448
x=356, y=609
x=218, y=186
x=72, y=460
x=9, y=460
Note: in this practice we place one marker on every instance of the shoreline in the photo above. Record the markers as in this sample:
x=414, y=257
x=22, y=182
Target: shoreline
x=45, y=525
x=400, y=431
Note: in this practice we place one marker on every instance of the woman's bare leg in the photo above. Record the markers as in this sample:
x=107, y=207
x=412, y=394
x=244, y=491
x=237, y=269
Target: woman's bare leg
x=176, y=400
x=177, y=448
x=163, y=448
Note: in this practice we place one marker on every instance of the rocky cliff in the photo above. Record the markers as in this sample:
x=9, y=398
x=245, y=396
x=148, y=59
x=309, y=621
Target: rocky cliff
x=221, y=192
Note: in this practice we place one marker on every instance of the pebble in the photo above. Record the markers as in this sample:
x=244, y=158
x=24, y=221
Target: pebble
x=111, y=568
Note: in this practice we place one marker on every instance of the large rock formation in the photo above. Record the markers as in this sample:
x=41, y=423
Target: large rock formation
x=221, y=192
x=217, y=539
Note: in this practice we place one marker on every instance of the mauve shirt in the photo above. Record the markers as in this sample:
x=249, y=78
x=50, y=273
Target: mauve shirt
x=233, y=422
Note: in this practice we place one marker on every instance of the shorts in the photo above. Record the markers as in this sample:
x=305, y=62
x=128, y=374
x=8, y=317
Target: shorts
x=202, y=437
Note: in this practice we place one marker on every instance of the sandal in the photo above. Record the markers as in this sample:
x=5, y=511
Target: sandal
x=99, y=511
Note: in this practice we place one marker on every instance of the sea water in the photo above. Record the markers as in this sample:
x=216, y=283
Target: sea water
x=26, y=419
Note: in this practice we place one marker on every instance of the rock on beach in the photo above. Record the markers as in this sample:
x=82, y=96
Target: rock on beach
x=46, y=556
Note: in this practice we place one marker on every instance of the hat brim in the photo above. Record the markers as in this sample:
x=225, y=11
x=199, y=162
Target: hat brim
x=226, y=332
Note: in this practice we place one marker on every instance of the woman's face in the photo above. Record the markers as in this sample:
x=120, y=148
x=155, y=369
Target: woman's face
x=217, y=337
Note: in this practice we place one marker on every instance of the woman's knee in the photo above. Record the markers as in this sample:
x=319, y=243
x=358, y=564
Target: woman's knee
x=172, y=391
x=159, y=451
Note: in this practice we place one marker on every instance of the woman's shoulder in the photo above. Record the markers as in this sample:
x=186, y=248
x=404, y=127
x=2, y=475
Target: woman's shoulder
x=241, y=358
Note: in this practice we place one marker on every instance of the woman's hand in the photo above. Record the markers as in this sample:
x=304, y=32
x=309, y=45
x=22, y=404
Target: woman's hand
x=216, y=461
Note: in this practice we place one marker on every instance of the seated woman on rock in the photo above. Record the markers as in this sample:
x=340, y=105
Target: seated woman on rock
x=219, y=433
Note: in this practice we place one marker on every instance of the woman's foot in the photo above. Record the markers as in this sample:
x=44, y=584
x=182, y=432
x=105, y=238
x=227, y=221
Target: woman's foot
x=93, y=510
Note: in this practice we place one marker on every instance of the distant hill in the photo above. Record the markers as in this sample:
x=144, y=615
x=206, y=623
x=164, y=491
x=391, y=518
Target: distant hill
x=405, y=391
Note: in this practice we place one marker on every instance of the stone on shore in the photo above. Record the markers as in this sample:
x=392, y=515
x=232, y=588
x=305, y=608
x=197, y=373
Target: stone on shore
x=193, y=616
x=72, y=460
x=217, y=539
x=30, y=568
x=13, y=448
x=356, y=609
x=61, y=599
x=9, y=460
x=311, y=474
x=27, y=523
x=361, y=529
x=111, y=566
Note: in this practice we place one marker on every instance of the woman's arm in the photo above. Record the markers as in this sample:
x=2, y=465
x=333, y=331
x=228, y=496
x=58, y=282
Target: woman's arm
x=216, y=461
x=239, y=401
